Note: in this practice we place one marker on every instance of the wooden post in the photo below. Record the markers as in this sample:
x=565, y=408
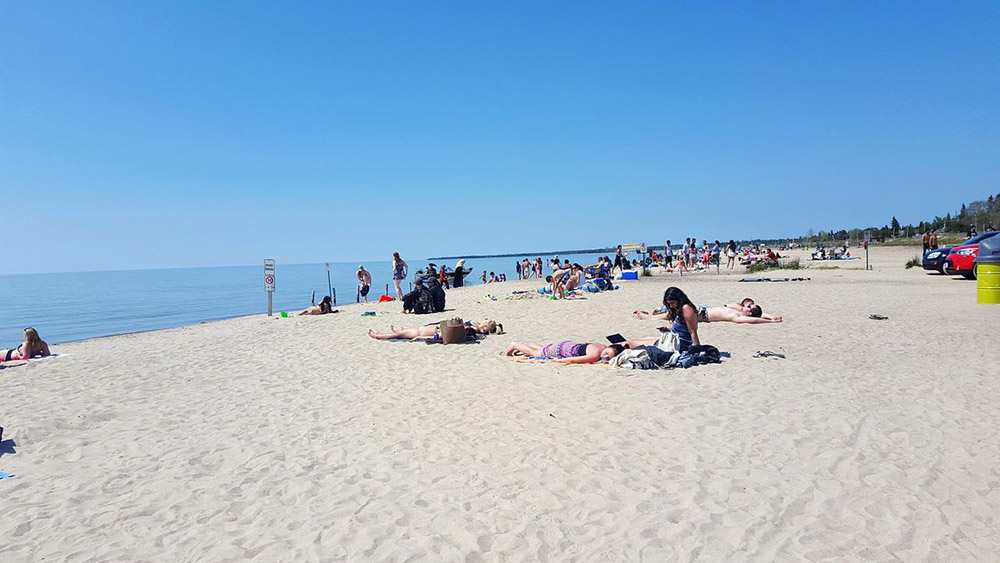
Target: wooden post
x=330, y=283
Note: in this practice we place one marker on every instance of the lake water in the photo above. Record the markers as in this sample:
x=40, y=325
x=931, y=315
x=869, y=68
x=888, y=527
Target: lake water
x=76, y=306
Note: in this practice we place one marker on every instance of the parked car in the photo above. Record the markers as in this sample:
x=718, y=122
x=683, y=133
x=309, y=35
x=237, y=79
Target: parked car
x=962, y=258
x=935, y=259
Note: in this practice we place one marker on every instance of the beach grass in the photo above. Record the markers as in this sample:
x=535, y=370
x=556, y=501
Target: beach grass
x=792, y=264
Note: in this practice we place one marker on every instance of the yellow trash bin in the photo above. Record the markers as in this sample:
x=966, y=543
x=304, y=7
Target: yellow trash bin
x=988, y=271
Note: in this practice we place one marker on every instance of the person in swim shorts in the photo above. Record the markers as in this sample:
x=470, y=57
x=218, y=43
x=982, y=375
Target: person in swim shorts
x=32, y=346
x=567, y=351
x=364, y=282
x=744, y=312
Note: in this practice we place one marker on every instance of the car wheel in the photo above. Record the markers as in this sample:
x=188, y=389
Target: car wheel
x=971, y=274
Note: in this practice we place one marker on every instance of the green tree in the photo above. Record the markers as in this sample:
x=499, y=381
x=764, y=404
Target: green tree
x=895, y=226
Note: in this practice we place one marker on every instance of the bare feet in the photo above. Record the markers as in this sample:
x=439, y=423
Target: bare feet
x=511, y=350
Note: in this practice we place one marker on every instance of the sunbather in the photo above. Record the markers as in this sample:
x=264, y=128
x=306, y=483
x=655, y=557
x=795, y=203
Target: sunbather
x=431, y=331
x=32, y=346
x=744, y=312
x=325, y=306
x=567, y=351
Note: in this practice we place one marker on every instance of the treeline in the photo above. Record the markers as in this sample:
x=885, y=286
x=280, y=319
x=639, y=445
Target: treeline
x=982, y=215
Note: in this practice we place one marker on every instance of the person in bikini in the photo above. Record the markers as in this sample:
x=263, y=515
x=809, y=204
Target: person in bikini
x=744, y=312
x=325, y=306
x=32, y=346
x=567, y=351
x=432, y=331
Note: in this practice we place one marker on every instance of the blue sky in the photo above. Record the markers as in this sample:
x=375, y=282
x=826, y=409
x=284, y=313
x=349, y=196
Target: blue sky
x=144, y=135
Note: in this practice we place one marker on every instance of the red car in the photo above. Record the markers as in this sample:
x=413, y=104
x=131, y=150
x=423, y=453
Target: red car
x=962, y=260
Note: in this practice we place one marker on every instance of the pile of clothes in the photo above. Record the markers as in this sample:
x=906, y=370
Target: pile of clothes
x=653, y=357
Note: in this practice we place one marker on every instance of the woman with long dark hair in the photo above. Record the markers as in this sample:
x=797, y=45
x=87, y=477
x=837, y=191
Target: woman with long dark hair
x=685, y=316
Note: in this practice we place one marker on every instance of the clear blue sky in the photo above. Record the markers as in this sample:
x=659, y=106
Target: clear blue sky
x=166, y=134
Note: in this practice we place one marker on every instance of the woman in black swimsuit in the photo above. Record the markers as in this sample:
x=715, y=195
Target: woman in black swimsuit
x=32, y=346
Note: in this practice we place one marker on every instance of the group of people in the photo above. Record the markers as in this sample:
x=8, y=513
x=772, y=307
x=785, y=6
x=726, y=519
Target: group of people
x=684, y=317
x=529, y=269
x=929, y=240
x=446, y=277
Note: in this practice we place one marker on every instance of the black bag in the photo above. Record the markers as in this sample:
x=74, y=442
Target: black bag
x=424, y=303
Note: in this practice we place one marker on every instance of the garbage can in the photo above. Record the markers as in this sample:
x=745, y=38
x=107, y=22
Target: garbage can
x=988, y=271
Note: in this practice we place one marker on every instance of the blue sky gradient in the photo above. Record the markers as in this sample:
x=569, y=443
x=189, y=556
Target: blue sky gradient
x=144, y=135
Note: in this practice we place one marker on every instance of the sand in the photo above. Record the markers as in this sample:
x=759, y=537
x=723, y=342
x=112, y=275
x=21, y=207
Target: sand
x=302, y=439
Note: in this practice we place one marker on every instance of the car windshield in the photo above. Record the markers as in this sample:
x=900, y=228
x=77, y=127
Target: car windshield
x=979, y=238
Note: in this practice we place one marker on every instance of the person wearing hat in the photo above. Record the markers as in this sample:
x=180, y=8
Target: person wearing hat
x=364, y=281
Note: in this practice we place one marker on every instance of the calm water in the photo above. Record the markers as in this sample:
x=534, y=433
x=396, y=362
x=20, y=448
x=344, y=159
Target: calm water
x=77, y=306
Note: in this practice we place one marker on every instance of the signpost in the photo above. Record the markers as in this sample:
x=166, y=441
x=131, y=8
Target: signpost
x=329, y=283
x=868, y=240
x=269, y=283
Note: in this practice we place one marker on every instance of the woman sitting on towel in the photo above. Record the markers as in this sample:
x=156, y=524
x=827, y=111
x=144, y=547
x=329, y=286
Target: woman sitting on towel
x=684, y=315
x=431, y=331
x=744, y=312
x=325, y=306
x=567, y=352
x=32, y=346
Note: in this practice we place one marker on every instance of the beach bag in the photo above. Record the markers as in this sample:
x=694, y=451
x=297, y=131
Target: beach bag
x=452, y=331
x=669, y=342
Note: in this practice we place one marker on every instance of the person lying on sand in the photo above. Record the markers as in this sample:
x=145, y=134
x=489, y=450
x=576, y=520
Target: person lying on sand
x=744, y=312
x=567, y=351
x=32, y=346
x=325, y=306
x=432, y=331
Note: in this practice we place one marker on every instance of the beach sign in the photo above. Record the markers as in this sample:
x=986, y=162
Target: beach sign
x=269, y=283
x=868, y=235
x=269, y=275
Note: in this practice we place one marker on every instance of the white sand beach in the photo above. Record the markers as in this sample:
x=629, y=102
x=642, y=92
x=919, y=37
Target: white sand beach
x=302, y=439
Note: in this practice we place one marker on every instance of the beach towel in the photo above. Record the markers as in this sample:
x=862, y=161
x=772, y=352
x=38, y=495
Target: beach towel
x=773, y=279
x=537, y=360
x=5, y=475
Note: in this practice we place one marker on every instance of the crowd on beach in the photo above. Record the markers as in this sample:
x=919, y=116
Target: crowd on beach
x=563, y=279
x=677, y=340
